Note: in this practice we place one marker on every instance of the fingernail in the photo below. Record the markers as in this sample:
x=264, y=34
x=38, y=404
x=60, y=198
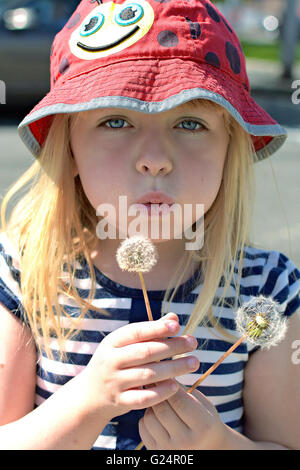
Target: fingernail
x=172, y=325
x=192, y=341
x=192, y=362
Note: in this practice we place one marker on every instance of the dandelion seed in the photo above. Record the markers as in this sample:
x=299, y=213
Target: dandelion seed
x=138, y=254
x=261, y=322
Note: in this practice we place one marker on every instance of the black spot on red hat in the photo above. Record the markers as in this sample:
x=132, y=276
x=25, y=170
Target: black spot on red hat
x=167, y=39
x=73, y=21
x=64, y=65
x=212, y=13
x=195, y=29
x=227, y=25
x=212, y=59
x=233, y=57
x=162, y=1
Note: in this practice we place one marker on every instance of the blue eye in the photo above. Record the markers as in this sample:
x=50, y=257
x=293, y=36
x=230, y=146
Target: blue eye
x=115, y=123
x=93, y=26
x=190, y=125
x=129, y=15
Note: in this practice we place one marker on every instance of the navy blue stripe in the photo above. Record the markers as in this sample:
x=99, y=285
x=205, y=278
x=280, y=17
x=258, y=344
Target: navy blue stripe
x=282, y=261
x=219, y=345
x=42, y=393
x=220, y=391
x=12, y=303
x=236, y=424
x=71, y=358
x=250, y=271
x=56, y=379
x=9, y=261
x=292, y=306
x=223, y=368
x=249, y=291
x=270, y=283
x=294, y=276
x=230, y=406
x=254, y=256
x=8, y=299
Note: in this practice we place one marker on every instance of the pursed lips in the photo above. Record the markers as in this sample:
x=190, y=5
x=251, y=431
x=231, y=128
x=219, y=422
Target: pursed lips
x=155, y=198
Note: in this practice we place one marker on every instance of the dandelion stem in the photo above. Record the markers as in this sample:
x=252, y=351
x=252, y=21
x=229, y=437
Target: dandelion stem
x=214, y=366
x=149, y=313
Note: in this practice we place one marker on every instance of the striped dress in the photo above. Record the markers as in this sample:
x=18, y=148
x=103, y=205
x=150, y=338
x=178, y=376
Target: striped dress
x=268, y=273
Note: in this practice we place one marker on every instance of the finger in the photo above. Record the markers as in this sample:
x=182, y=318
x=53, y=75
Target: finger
x=152, y=351
x=144, y=331
x=169, y=419
x=186, y=406
x=138, y=399
x=156, y=372
x=155, y=429
x=147, y=438
x=205, y=402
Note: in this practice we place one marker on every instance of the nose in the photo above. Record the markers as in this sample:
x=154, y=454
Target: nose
x=154, y=157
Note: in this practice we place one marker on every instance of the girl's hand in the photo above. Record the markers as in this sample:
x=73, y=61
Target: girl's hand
x=183, y=421
x=127, y=360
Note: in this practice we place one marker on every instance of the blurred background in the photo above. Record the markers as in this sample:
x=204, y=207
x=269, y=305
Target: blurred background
x=269, y=31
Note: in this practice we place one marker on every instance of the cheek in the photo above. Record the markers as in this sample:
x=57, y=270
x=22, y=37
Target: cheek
x=205, y=177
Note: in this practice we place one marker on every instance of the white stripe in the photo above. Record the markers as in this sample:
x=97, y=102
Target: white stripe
x=216, y=380
x=47, y=386
x=108, y=442
x=79, y=347
x=121, y=303
x=94, y=324
x=60, y=368
x=233, y=415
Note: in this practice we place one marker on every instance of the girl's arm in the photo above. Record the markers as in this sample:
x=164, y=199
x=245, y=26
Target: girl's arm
x=55, y=424
x=17, y=368
x=110, y=385
x=272, y=391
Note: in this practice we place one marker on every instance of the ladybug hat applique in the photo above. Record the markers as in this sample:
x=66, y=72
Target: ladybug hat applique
x=149, y=56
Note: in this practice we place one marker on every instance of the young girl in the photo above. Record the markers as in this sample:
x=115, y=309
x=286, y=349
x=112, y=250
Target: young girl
x=149, y=100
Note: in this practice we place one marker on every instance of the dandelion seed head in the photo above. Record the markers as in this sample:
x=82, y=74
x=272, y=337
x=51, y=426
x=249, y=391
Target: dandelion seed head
x=261, y=320
x=136, y=254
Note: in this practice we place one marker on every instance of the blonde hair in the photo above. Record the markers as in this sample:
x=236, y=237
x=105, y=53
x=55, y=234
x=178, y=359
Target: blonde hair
x=53, y=225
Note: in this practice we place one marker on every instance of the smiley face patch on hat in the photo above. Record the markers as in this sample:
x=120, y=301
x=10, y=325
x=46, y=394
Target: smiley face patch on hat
x=111, y=28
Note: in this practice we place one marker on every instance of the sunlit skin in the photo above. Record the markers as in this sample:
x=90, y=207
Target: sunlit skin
x=180, y=152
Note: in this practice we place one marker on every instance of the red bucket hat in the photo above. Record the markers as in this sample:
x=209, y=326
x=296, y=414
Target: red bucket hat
x=149, y=56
